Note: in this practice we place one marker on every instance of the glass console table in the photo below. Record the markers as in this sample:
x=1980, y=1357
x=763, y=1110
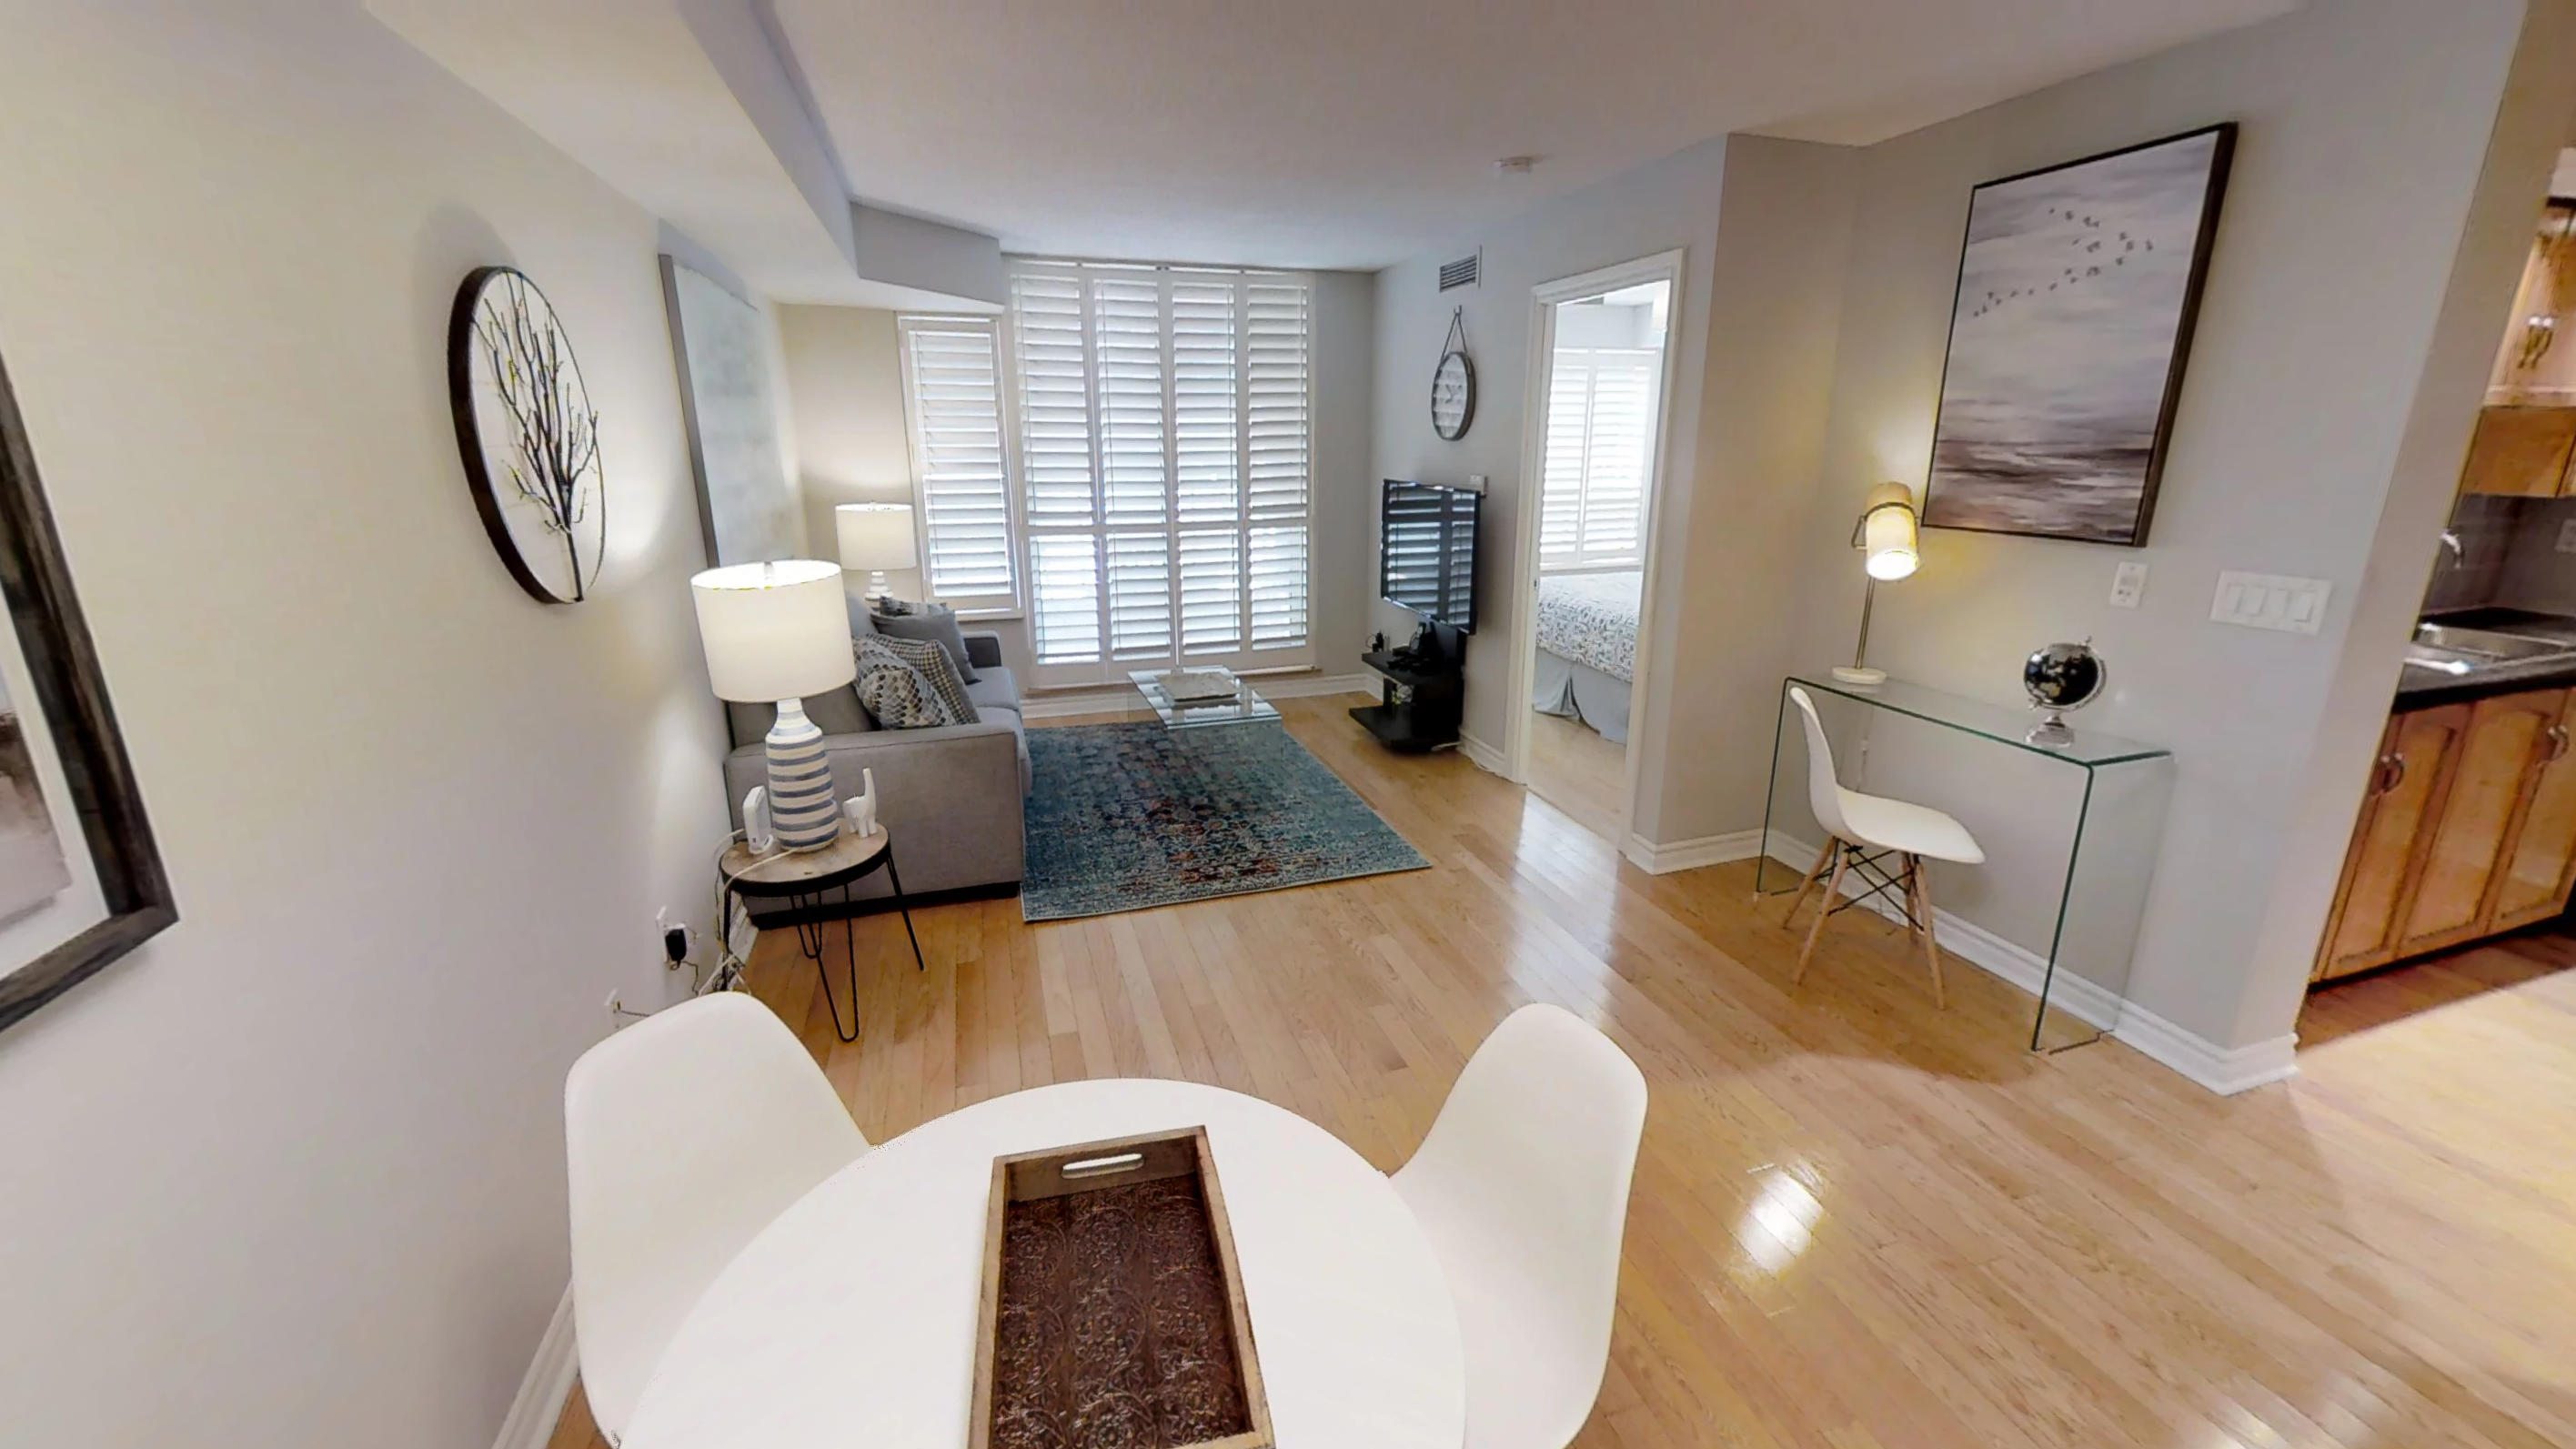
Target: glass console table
x=2070, y=834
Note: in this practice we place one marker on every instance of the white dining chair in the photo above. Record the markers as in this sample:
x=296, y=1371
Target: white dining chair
x=1861, y=832
x=685, y=1134
x=1522, y=1189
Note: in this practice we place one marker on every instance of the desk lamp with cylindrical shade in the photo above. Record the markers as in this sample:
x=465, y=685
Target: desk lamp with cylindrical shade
x=776, y=633
x=1884, y=534
x=876, y=537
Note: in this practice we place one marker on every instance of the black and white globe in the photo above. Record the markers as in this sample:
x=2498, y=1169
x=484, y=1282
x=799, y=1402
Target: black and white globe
x=2062, y=676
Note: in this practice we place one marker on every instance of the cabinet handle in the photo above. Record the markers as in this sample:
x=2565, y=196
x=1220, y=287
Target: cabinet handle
x=2392, y=773
x=2557, y=744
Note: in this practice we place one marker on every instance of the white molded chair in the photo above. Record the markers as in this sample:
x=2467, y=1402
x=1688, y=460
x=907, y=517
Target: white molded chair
x=1861, y=831
x=1522, y=1189
x=685, y=1135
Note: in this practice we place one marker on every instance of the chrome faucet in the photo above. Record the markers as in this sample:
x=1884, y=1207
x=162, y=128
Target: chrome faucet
x=2451, y=541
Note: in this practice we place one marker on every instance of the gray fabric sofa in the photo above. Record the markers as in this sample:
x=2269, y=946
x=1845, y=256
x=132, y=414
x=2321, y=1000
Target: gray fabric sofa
x=950, y=795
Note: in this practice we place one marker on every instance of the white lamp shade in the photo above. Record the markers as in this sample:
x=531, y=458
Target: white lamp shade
x=1887, y=540
x=876, y=536
x=774, y=631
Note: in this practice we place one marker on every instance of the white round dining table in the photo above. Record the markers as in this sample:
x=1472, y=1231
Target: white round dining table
x=850, y=1321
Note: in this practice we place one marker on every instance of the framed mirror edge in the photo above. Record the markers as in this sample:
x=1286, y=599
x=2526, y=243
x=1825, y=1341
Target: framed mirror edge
x=71, y=691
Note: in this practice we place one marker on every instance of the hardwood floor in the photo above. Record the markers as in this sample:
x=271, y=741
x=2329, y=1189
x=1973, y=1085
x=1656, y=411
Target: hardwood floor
x=1857, y=1221
x=1580, y=773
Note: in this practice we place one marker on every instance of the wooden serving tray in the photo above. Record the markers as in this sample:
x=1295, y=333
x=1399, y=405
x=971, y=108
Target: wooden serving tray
x=1112, y=1314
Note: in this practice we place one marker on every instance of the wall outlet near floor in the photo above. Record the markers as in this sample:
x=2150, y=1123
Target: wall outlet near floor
x=2567, y=536
x=2271, y=601
x=2128, y=584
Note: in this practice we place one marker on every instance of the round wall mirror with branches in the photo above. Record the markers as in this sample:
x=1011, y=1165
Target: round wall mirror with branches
x=529, y=434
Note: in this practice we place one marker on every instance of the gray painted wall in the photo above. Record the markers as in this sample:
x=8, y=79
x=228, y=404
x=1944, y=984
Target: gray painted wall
x=2317, y=366
x=1668, y=204
x=292, y=1173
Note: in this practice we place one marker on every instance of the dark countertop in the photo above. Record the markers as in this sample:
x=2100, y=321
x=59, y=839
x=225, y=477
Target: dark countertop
x=2419, y=688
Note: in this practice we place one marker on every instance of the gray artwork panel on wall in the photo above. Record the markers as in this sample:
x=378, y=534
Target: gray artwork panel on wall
x=2077, y=289
x=747, y=504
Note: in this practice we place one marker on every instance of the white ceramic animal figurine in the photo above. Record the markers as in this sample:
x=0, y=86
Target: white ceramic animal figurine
x=862, y=807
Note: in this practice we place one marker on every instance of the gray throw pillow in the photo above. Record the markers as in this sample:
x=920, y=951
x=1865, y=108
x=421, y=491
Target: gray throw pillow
x=934, y=622
x=897, y=692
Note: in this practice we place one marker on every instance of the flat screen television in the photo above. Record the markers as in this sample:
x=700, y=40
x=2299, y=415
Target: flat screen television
x=1427, y=551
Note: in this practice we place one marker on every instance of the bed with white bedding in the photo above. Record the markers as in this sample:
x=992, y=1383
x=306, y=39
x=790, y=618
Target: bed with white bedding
x=1587, y=648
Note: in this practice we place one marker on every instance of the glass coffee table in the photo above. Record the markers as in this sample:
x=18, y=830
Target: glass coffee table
x=1242, y=707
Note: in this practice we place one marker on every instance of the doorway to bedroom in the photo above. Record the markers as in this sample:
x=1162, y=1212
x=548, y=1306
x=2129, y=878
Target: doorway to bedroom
x=1598, y=402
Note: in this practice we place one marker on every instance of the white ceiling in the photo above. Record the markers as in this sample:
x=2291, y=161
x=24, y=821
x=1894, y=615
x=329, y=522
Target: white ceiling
x=1355, y=133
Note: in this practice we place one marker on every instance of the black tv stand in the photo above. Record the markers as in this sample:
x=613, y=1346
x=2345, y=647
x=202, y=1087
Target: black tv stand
x=1423, y=695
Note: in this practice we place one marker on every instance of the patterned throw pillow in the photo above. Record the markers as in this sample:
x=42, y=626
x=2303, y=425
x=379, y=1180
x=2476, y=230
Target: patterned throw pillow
x=898, y=694
x=939, y=667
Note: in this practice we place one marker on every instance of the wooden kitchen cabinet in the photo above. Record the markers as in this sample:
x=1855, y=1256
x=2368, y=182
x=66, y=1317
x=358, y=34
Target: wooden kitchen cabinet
x=2469, y=829
x=2388, y=843
x=2473, y=830
x=2521, y=452
x=2541, y=869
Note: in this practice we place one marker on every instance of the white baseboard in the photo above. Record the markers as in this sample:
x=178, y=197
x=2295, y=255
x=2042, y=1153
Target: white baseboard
x=2224, y=1070
x=1487, y=758
x=1056, y=704
x=1701, y=850
x=531, y=1420
x=1666, y=857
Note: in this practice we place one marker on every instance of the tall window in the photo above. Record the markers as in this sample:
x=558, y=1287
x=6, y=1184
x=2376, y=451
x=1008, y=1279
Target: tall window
x=952, y=399
x=1164, y=436
x=1600, y=443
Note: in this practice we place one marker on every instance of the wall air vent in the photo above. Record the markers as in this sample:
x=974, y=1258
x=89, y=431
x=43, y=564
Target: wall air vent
x=1462, y=272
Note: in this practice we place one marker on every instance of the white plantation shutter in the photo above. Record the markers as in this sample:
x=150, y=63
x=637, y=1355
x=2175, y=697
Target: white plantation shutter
x=1560, y=510
x=953, y=408
x=1600, y=451
x=1164, y=420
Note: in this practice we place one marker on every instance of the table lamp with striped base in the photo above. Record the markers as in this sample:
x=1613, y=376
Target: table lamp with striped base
x=778, y=632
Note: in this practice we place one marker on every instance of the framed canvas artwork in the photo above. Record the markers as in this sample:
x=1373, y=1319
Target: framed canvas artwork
x=81, y=881
x=2078, y=287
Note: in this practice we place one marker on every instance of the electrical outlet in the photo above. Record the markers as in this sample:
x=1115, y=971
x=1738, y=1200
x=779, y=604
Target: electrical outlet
x=616, y=1005
x=2128, y=583
x=674, y=938
x=2567, y=536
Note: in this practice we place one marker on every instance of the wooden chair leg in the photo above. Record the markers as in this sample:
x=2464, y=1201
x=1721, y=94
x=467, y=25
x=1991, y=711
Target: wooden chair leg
x=1824, y=909
x=1922, y=892
x=1807, y=886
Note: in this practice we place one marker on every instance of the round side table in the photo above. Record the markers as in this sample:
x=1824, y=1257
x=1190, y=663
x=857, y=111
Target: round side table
x=801, y=879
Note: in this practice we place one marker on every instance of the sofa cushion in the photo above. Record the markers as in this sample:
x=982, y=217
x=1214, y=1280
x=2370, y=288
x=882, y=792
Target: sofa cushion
x=995, y=688
x=995, y=714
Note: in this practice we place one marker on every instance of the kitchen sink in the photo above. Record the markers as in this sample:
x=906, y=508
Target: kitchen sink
x=2444, y=646
x=2445, y=661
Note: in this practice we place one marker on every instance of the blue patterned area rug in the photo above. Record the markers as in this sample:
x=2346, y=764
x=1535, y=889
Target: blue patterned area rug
x=1126, y=817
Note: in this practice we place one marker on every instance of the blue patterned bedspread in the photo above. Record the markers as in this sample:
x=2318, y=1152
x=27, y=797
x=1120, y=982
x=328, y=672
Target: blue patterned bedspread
x=1591, y=619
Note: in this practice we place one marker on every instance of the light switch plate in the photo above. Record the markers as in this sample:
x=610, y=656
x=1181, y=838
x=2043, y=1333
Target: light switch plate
x=2271, y=601
x=2128, y=583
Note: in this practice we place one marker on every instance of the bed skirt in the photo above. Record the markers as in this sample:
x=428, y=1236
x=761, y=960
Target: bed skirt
x=1579, y=691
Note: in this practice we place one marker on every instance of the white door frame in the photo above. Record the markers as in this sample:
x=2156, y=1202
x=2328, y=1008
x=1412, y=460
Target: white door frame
x=1663, y=267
